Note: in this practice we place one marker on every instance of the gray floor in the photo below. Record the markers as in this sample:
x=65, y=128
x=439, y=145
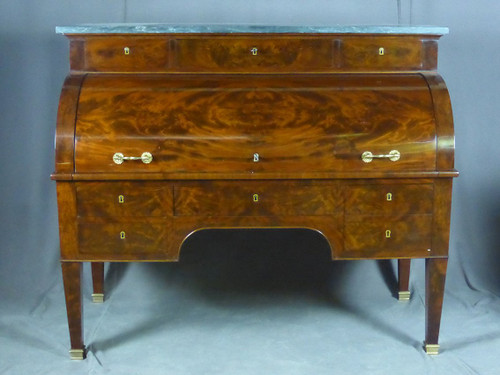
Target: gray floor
x=270, y=306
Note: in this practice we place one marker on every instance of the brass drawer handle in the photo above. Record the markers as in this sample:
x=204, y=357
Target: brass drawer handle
x=393, y=155
x=146, y=158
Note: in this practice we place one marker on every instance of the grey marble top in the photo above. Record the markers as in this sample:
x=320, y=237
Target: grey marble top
x=160, y=28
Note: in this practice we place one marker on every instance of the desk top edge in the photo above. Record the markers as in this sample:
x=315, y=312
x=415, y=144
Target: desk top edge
x=135, y=28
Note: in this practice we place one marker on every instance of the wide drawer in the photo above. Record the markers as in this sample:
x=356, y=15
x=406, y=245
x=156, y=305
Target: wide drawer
x=388, y=236
x=123, y=199
x=249, y=198
x=122, y=238
x=374, y=199
x=250, y=54
x=255, y=124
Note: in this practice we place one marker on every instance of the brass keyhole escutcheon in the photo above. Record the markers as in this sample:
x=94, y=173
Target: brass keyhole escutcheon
x=381, y=51
x=121, y=199
x=122, y=235
x=254, y=51
x=256, y=158
x=126, y=51
x=388, y=233
x=388, y=197
x=255, y=197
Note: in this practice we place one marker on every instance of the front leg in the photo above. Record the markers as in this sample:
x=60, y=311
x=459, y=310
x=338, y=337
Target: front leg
x=98, y=282
x=435, y=275
x=404, y=279
x=72, y=272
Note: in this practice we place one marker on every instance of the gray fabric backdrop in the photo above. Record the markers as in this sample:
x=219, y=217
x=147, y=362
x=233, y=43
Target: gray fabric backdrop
x=221, y=310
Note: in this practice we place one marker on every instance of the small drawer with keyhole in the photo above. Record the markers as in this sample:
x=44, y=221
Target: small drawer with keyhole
x=238, y=54
x=381, y=53
x=382, y=199
x=256, y=198
x=387, y=236
x=126, y=199
x=114, y=54
x=121, y=239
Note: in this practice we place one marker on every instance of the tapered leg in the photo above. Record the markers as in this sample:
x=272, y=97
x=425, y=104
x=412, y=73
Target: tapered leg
x=404, y=279
x=435, y=275
x=98, y=282
x=72, y=289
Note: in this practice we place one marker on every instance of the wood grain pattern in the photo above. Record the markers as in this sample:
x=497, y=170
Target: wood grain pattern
x=66, y=209
x=435, y=276
x=72, y=290
x=104, y=54
x=365, y=237
x=442, y=214
x=445, y=132
x=309, y=105
x=257, y=199
x=314, y=124
x=399, y=53
x=276, y=53
x=124, y=200
x=65, y=128
x=404, y=199
x=103, y=238
x=234, y=54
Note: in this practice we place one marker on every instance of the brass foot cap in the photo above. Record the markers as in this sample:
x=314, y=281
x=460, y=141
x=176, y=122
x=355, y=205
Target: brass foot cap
x=78, y=354
x=97, y=297
x=432, y=349
x=404, y=296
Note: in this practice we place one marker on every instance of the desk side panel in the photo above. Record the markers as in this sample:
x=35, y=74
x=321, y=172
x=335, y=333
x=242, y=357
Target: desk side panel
x=65, y=128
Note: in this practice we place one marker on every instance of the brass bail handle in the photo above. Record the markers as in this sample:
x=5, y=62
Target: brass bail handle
x=393, y=155
x=146, y=158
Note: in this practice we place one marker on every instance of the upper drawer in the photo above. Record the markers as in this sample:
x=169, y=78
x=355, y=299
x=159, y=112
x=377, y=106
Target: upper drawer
x=252, y=198
x=255, y=124
x=120, y=54
x=252, y=54
x=386, y=53
x=389, y=199
x=123, y=199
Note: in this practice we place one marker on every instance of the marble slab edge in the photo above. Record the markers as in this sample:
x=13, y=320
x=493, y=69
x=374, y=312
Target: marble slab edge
x=244, y=29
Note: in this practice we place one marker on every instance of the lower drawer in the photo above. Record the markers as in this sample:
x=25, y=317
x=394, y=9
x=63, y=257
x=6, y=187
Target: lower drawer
x=122, y=238
x=385, y=237
x=251, y=198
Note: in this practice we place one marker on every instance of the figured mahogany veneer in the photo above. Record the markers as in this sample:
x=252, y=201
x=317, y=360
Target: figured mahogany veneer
x=243, y=53
x=254, y=131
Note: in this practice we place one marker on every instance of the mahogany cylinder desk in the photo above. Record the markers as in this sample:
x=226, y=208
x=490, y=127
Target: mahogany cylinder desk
x=165, y=130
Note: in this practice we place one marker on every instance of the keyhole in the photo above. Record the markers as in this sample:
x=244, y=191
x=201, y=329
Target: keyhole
x=121, y=199
x=256, y=197
x=389, y=196
x=254, y=51
x=387, y=233
x=122, y=235
x=126, y=51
